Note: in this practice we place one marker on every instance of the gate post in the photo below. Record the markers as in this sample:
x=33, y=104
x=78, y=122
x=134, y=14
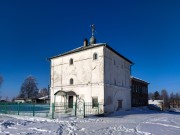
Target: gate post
x=84, y=110
x=75, y=108
x=98, y=108
x=53, y=109
x=18, y=108
x=33, y=109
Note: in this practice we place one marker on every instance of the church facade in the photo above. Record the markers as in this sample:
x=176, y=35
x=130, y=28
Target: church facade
x=93, y=72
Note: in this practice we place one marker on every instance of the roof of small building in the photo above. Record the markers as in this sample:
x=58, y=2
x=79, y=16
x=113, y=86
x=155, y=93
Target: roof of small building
x=45, y=97
x=20, y=99
x=138, y=79
x=157, y=101
x=3, y=100
x=90, y=47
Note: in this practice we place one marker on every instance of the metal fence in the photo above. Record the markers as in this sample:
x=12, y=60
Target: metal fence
x=91, y=109
x=53, y=110
x=41, y=110
x=79, y=110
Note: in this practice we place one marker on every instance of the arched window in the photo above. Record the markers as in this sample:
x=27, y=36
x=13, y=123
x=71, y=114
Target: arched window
x=95, y=56
x=71, y=81
x=71, y=61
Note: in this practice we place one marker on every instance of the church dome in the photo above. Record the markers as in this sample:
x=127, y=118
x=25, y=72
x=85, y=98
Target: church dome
x=92, y=40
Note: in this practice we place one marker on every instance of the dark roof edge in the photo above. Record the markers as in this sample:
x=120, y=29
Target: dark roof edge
x=89, y=47
x=118, y=53
x=76, y=50
x=135, y=78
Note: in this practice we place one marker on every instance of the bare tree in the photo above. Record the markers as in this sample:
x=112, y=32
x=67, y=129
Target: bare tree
x=29, y=88
x=165, y=97
x=176, y=98
x=43, y=92
x=172, y=97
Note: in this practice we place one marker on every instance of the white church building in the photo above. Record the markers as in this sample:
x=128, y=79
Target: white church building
x=93, y=72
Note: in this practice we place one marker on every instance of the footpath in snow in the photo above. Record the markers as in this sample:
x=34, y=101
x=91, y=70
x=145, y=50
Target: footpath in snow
x=134, y=122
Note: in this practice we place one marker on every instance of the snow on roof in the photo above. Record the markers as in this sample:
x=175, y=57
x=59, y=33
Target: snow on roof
x=138, y=79
x=89, y=47
x=45, y=97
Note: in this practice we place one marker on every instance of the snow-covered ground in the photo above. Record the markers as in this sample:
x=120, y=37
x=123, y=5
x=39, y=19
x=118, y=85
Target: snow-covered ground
x=134, y=122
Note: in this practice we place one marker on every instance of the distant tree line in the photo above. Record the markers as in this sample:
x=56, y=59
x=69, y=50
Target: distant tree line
x=170, y=100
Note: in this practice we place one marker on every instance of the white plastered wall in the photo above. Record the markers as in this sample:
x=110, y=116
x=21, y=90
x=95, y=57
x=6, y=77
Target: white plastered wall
x=117, y=82
x=87, y=74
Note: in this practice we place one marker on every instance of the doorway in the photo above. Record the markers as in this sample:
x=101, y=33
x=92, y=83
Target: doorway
x=70, y=103
x=119, y=105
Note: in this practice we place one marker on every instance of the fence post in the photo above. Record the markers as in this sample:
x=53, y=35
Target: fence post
x=18, y=107
x=84, y=110
x=33, y=109
x=53, y=109
x=98, y=108
x=75, y=108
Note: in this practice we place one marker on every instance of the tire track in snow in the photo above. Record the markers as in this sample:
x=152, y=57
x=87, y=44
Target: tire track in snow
x=138, y=127
x=166, y=125
x=137, y=130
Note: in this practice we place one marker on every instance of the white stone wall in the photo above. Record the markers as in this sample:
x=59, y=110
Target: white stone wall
x=107, y=78
x=87, y=74
x=113, y=94
x=117, y=82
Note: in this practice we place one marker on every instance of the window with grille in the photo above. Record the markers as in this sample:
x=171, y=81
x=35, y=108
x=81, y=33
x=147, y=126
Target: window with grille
x=94, y=102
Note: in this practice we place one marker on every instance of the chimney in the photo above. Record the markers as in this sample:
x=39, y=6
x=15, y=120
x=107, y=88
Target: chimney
x=85, y=42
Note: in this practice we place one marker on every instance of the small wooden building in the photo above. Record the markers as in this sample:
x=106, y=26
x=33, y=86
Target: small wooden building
x=139, y=92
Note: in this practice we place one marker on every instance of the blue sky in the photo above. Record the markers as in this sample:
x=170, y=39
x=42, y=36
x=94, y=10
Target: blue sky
x=145, y=31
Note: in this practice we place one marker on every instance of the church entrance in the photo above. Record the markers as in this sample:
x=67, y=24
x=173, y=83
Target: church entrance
x=70, y=103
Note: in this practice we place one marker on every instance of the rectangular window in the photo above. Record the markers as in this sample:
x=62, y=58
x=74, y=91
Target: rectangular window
x=94, y=102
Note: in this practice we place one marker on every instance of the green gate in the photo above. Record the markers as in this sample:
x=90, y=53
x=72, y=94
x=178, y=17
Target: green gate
x=80, y=107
